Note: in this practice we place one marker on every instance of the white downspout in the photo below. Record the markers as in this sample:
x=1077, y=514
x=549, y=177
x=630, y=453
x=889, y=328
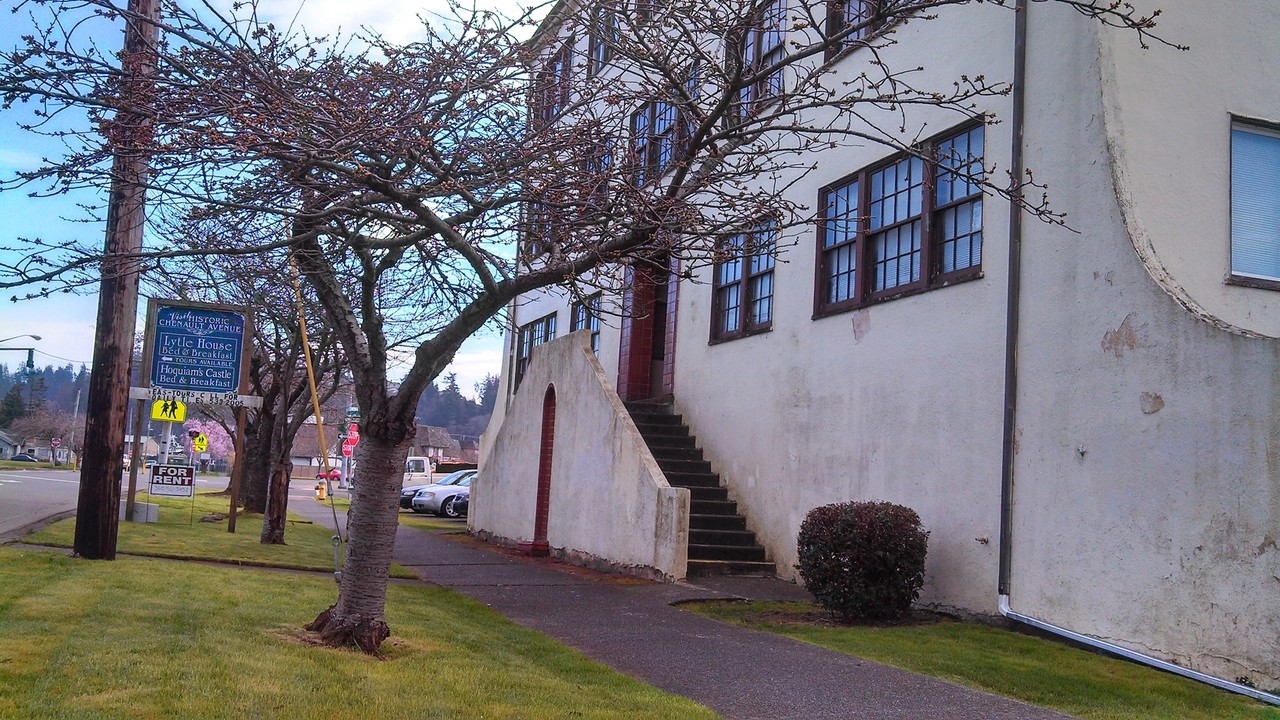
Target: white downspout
x=1128, y=654
x=1011, y=384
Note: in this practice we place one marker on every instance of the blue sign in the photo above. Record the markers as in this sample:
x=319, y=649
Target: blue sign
x=197, y=349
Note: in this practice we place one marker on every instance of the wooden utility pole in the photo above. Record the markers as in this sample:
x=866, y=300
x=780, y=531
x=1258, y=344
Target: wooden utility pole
x=130, y=134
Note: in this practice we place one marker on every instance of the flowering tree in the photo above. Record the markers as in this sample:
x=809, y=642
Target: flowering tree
x=398, y=174
x=220, y=444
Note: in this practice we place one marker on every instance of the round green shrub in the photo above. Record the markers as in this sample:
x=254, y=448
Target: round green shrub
x=863, y=560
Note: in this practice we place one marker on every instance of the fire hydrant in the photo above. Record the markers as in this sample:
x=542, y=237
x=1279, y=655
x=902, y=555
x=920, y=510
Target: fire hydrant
x=320, y=491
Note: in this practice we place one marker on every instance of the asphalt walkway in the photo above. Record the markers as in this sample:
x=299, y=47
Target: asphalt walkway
x=634, y=628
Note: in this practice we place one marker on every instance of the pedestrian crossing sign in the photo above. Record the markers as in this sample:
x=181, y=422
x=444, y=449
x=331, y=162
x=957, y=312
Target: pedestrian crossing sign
x=169, y=411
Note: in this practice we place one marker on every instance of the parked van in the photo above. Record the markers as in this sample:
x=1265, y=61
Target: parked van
x=417, y=470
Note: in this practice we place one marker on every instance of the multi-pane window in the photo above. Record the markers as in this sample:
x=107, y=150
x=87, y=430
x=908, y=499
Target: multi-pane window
x=645, y=9
x=764, y=48
x=539, y=229
x=656, y=136
x=603, y=38
x=857, y=17
x=660, y=131
x=551, y=92
x=1255, y=205
x=586, y=315
x=895, y=204
x=958, y=201
x=531, y=336
x=742, y=288
x=910, y=223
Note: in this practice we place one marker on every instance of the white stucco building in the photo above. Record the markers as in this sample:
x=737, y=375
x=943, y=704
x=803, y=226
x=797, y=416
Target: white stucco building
x=1099, y=400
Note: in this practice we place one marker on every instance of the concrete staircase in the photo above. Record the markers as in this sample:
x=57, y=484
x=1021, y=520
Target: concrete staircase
x=719, y=541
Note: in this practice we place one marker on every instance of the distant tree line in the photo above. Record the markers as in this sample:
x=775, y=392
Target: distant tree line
x=446, y=406
x=26, y=392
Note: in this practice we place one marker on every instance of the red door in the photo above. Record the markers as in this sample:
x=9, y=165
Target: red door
x=540, y=547
x=646, y=358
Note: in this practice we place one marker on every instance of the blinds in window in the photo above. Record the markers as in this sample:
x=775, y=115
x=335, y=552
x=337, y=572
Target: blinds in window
x=1255, y=202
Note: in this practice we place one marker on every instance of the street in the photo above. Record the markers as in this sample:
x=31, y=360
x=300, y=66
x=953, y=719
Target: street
x=30, y=495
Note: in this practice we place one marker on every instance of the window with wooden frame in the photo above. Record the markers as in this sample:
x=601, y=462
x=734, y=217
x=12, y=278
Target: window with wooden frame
x=586, y=315
x=531, y=336
x=742, y=284
x=603, y=37
x=762, y=48
x=660, y=132
x=551, y=92
x=911, y=223
x=643, y=10
x=539, y=229
x=656, y=136
x=862, y=15
x=1255, y=205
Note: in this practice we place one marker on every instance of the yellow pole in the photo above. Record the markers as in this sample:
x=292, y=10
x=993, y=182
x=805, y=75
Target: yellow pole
x=311, y=375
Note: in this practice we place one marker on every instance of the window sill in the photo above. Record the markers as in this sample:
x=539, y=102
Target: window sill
x=938, y=284
x=1252, y=282
x=740, y=334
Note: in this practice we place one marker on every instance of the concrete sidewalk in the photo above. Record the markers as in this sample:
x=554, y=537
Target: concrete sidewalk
x=634, y=628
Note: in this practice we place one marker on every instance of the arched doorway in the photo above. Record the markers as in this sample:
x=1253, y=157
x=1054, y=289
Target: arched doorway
x=539, y=547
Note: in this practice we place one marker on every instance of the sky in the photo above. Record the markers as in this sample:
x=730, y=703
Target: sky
x=65, y=323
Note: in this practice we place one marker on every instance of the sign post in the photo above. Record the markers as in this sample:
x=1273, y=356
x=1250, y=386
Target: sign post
x=348, y=447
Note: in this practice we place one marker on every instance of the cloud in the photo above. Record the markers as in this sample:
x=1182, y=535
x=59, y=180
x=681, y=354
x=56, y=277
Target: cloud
x=18, y=160
x=399, y=22
x=479, y=357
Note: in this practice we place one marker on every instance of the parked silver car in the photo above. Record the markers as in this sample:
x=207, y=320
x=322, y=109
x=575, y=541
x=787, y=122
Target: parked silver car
x=439, y=499
x=406, y=495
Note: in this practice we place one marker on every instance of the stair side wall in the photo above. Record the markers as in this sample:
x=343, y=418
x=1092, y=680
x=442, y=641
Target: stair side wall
x=609, y=499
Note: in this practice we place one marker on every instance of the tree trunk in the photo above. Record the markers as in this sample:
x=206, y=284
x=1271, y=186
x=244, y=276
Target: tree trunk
x=258, y=465
x=357, y=618
x=273, y=520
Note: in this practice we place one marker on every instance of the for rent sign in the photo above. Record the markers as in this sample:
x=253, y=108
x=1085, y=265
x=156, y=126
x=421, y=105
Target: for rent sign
x=197, y=348
x=173, y=480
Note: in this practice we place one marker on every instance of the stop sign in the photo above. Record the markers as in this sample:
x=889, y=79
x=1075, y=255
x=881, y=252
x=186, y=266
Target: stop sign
x=55, y=442
x=346, y=450
x=353, y=434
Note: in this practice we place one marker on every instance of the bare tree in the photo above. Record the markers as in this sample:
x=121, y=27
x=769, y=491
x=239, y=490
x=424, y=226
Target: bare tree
x=406, y=170
x=262, y=282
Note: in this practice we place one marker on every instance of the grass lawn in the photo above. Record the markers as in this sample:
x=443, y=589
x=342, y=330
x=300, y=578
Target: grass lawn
x=1041, y=672
x=180, y=534
x=151, y=638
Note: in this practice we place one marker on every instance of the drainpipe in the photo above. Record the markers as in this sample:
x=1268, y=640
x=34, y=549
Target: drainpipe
x=1011, y=401
x=1015, y=293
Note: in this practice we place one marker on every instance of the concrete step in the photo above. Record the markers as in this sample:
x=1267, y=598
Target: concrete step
x=677, y=454
x=652, y=418
x=697, y=494
x=689, y=480
x=716, y=522
x=671, y=442
x=737, y=538
x=683, y=466
x=702, y=568
x=713, y=507
x=732, y=553
x=655, y=431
